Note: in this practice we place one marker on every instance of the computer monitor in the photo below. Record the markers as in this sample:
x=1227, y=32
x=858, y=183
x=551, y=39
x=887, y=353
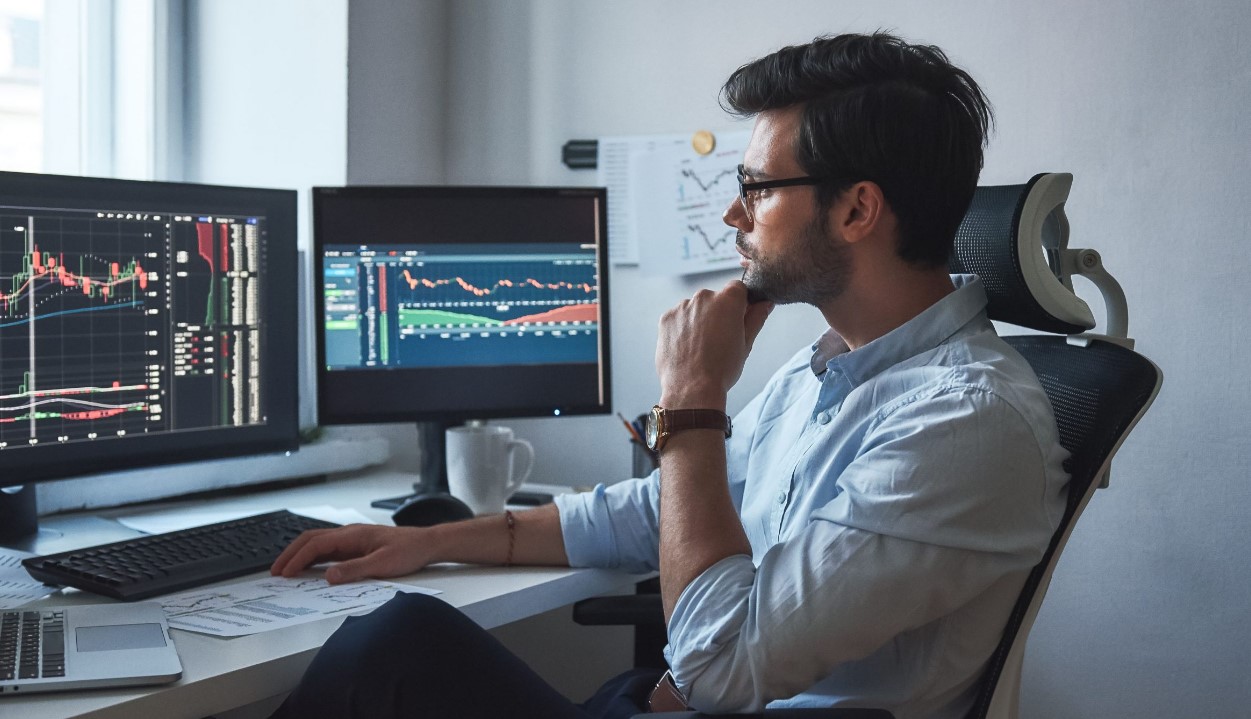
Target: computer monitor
x=141, y=323
x=439, y=305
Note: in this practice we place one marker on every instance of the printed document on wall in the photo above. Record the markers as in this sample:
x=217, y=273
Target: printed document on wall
x=679, y=197
x=613, y=171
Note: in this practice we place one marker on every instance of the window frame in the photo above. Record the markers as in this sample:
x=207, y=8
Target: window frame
x=112, y=103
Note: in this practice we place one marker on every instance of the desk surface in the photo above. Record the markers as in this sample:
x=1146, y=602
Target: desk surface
x=221, y=674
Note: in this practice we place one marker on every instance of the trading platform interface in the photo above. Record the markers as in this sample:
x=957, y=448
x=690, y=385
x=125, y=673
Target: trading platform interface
x=447, y=304
x=456, y=305
x=117, y=323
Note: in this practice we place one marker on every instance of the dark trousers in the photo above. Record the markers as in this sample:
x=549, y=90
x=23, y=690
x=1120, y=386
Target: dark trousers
x=417, y=656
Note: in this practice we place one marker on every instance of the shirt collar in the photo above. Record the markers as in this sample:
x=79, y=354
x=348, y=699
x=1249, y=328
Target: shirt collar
x=927, y=330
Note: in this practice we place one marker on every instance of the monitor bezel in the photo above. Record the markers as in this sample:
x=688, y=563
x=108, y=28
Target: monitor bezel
x=281, y=432
x=450, y=416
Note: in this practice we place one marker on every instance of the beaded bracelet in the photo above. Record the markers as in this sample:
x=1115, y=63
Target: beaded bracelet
x=512, y=536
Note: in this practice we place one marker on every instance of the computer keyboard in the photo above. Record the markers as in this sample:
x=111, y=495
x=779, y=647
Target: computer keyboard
x=161, y=563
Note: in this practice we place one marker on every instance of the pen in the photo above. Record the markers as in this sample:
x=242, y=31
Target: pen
x=634, y=434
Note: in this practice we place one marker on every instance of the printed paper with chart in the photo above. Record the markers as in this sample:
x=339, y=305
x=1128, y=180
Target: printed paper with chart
x=16, y=586
x=263, y=605
x=680, y=196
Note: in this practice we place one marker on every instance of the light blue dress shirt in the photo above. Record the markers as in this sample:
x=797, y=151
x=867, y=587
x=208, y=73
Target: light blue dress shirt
x=895, y=498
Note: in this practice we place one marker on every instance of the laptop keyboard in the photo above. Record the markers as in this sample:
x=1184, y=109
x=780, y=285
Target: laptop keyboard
x=32, y=644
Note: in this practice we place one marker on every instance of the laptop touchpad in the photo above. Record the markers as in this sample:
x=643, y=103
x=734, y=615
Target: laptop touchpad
x=119, y=636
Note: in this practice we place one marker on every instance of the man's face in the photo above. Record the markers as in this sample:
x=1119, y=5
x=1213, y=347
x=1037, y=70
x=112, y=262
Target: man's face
x=790, y=254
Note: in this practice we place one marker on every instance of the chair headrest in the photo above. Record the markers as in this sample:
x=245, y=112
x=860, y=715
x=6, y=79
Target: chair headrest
x=1011, y=238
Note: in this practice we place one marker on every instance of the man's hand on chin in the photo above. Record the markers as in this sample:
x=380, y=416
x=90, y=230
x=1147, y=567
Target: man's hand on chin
x=703, y=343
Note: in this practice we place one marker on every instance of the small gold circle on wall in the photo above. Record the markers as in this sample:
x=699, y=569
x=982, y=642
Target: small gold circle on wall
x=704, y=142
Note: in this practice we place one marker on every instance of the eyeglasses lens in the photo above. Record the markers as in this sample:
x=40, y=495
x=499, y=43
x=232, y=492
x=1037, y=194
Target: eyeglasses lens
x=744, y=197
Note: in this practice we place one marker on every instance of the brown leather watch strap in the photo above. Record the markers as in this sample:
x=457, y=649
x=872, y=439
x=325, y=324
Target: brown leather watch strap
x=677, y=420
x=663, y=423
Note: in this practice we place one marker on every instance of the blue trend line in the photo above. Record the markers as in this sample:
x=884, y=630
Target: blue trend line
x=74, y=312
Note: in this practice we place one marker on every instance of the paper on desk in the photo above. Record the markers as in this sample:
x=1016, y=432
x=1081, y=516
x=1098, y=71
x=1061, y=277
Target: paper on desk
x=175, y=519
x=263, y=605
x=16, y=586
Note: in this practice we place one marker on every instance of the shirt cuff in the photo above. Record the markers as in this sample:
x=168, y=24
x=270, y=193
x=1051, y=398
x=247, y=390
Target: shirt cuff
x=585, y=528
x=708, y=616
x=613, y=527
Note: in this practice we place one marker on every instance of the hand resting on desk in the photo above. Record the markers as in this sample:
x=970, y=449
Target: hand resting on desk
x=373, y=551
x=362, y=550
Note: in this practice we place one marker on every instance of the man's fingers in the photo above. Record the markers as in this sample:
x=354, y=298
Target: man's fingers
x=292, y=549
x=755, y=313
x=350, y=570
x=303, y=556
x=754, y=321
x=333, y=544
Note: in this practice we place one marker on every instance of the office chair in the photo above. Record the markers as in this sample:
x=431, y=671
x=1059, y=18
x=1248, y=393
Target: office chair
x=1015, y=237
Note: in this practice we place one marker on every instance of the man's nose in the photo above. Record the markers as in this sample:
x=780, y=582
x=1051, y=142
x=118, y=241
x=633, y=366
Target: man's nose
x=735, y=215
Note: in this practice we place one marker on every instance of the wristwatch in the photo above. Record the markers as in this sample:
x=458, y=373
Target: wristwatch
x=663, y=423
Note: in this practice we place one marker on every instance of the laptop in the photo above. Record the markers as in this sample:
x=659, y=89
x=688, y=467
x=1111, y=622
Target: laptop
x=85, y=647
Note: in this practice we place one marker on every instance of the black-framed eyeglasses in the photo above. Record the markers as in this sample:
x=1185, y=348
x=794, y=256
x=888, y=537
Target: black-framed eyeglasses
x=749, y=191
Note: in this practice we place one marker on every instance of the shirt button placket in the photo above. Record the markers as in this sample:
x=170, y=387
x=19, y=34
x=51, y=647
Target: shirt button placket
x=775, y=516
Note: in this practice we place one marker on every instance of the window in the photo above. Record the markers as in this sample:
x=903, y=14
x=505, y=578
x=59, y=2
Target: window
x=21, y=88
x=79, y=86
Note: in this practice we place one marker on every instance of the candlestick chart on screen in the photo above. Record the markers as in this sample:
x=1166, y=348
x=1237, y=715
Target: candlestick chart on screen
x=114, y=323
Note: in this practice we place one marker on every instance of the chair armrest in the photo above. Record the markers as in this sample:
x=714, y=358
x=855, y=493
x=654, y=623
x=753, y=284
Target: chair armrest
x=839, y=713
x=628, y=609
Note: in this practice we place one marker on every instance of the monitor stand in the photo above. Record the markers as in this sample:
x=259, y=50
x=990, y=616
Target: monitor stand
x=432, y=478
x=433, y=438
x=19, y=518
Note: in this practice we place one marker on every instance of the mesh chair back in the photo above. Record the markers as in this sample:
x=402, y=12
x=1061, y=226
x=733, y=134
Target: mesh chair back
x=1098, y=393
x=986, y=245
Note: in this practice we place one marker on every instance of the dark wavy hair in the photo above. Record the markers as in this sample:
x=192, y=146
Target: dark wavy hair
x=880, y=109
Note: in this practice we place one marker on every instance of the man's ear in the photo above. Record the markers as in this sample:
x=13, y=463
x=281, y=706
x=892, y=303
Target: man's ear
x=859, y=211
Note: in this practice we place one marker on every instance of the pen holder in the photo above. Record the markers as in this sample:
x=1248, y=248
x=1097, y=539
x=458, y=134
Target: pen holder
x=643, y=460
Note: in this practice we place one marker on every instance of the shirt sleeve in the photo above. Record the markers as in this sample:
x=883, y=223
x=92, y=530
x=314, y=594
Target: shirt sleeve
x=922, y=526
x=613, y=527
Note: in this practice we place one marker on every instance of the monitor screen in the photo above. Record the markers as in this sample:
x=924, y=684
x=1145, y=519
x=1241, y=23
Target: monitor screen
x=454, y=303
x=143, y=323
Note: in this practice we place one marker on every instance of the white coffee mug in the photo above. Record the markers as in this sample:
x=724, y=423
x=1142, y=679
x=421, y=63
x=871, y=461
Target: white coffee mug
x=485, y=465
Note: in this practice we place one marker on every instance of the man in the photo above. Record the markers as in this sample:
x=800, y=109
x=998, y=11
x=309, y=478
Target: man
x=862, y=536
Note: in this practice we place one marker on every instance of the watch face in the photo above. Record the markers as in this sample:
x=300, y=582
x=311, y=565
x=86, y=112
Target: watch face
x=653, y=427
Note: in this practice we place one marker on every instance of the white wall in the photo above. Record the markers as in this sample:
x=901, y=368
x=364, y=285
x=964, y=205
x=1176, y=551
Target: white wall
x=266, y=94
x=397, y=69
x=1146, y=103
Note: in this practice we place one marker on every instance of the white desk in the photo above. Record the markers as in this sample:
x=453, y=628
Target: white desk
x=221, y=674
